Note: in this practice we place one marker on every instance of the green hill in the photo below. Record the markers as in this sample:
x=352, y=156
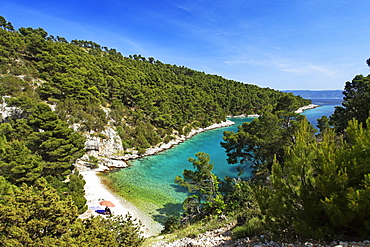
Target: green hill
x=90, y=85
x=306, y=186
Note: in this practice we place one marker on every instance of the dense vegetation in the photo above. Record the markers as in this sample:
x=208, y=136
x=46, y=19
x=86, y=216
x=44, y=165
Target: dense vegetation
x=356, y=103
x=306, y=185
x=51, y=85
x=144, y=98
x=36, y=216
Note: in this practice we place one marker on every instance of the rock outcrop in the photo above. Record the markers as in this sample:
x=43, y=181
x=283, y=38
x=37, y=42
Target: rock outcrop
x=7, y=111
x=107, y=146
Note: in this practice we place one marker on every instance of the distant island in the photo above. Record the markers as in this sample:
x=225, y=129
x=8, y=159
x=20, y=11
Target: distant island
x=324, y=94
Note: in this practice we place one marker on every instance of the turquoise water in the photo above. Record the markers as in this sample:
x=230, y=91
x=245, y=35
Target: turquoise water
x=148, y=183
x=327, y=107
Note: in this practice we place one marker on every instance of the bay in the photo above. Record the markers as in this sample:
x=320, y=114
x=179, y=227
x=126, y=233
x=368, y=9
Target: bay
x=149, y=182
x=327, y=107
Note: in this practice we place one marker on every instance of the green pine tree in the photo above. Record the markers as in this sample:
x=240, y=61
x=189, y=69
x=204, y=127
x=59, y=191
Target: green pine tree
x=203, y=187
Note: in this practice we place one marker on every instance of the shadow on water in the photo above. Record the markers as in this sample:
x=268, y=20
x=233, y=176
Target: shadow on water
x=168, y=209
x=234, y=169
x=179, y=188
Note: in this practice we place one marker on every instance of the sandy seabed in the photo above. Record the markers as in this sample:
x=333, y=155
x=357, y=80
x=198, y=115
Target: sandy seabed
x=96, y=191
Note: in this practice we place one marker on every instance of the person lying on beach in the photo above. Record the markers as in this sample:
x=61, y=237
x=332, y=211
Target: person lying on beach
x=107, y=210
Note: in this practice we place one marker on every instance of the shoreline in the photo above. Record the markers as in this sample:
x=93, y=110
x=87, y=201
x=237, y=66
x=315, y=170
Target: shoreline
x=307, y=107
x=164, y=146
x=96, y=191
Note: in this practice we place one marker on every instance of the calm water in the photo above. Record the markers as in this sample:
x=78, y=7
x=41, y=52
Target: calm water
x=327, y=107
x=149, y=185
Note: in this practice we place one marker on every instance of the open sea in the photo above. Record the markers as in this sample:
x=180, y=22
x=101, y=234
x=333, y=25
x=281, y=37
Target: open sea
x=149, y=182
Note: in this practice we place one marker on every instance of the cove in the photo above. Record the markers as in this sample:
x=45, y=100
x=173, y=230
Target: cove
x=149, y=181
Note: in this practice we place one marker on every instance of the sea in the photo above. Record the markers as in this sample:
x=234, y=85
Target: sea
x=148, y=183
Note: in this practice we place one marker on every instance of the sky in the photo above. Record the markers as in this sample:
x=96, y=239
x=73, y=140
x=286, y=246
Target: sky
x=280, y=44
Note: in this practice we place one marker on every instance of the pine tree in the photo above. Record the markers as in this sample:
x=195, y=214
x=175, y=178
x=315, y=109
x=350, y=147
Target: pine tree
x=203, y=187
x=28, y=213
x=322, y=189
x=257, y=143
x=17, y=163
x=37, y=216
x=52, y=139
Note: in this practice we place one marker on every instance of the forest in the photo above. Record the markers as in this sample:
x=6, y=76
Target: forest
x=60, y=91
x=306, y=184
x=90, y=86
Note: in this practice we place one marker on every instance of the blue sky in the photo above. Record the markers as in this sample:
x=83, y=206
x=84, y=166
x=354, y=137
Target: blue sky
x=281, y=44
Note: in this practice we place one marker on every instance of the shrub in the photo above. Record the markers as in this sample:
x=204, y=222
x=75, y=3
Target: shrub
x=250, y=228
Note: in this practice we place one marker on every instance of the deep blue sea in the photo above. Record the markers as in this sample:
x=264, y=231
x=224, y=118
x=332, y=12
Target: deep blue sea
x=149, y=182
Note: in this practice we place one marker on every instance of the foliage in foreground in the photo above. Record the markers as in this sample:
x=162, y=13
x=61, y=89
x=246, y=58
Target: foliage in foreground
x=318, y=186
x=322, y=190
x=203, y=186
x=37, y=216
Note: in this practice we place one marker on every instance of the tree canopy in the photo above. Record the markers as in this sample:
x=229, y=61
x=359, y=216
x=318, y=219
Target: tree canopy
x=37, y=216
x=305, y=185
x=256, y=144
x=92, y=85
x=322, y=189
x=356, y=103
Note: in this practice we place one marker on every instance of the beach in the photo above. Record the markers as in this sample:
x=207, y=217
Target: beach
x=96, y=191
x=302, y=109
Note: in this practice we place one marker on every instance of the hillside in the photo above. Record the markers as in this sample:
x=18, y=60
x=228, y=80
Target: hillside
x=90, y=86
x=64, y=101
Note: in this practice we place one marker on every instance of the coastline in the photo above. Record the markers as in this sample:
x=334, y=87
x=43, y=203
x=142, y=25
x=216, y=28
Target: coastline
x=307, y=107
x=96, y=190
x=170, y=144
x=299, y=110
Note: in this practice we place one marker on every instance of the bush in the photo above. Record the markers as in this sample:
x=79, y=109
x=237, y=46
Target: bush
x=250, y=228
x=141, y=151
x=167, y=139
x=171, y=223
